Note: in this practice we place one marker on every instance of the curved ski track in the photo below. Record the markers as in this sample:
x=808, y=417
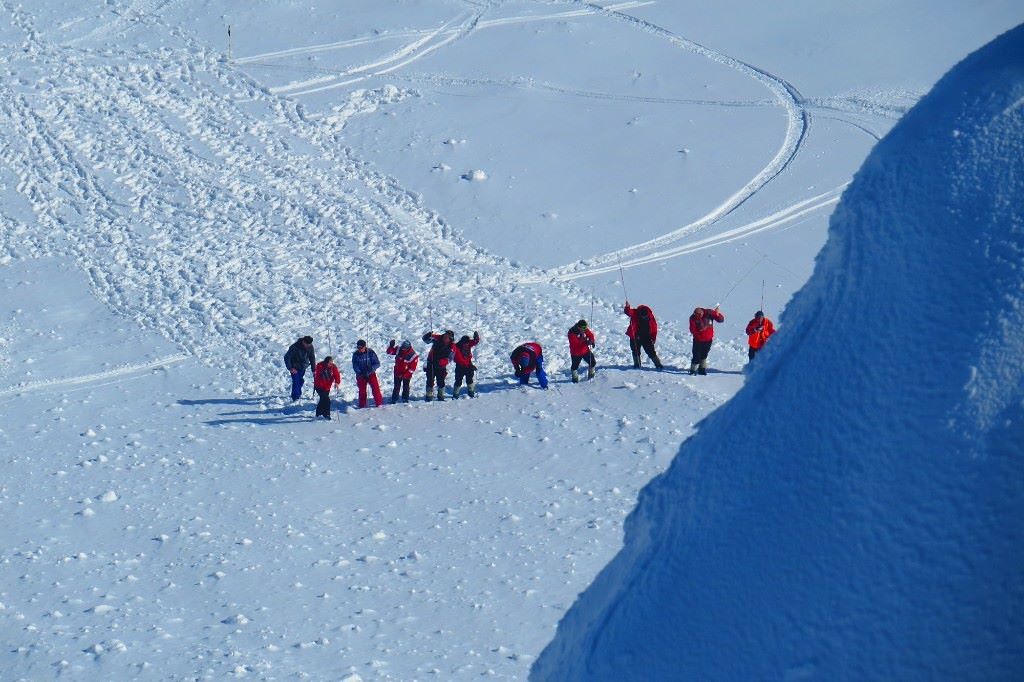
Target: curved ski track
x=231, y=232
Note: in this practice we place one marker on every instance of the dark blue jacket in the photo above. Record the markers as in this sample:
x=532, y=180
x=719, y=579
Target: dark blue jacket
x=365, y=364
x=299, y=357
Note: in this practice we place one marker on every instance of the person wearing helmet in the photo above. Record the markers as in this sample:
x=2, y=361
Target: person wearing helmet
x=527, y=358
x=440, y=356
x=464, y=367
x=758, y=331
x=581, y=341
x=406, y=359
x=702, y=326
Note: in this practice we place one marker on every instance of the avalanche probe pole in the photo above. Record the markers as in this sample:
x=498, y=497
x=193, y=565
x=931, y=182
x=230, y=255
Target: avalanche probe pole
x=762, y=296
x=622, y=279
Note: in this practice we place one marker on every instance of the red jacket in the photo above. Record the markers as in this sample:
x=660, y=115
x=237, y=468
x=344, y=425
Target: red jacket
x=703, y=328
x=579, y=344
x=326, y=376
x=633, y=313
x=405, y=364
x=464, y=352
x=758, y=332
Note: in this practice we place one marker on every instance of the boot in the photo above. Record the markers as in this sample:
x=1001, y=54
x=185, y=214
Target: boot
x=703, y=369
x=693, y=368
x=430, y=393
x=575, y=377
x=471, y=389
x=440, y=392
x=657, y=361
x=590, y=371
x=455, y=392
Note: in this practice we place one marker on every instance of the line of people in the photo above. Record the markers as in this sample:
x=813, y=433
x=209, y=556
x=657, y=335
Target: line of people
x=527, y=358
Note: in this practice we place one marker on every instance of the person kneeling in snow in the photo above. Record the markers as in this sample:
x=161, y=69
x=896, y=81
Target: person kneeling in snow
x=527, y=358
x=581, y=340
x=365, y=364
x=758, y=331
x=464, y=367
x=325, y=377
x=406, y=360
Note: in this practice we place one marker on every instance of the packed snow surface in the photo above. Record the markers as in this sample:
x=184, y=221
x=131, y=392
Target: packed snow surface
x=187, y=187
x=854, y=511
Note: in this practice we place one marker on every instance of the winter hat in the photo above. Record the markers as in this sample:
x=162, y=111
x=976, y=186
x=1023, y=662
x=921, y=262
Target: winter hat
x=329, y=358
x=406, y=344
x=306, y=339
x=524, y=359
x=698, y=312
x=464, y=339
x=450, y=334
x=759, y=313
x=582, y=324
x=360, y=344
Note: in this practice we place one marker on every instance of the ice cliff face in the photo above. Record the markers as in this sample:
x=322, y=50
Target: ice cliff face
x=856, y=510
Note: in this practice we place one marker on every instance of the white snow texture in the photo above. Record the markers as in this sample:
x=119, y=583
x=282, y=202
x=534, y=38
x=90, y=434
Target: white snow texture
x=877, y=534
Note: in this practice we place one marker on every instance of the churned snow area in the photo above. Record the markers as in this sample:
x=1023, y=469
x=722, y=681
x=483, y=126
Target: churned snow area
x=856, y=517
x=187, y=187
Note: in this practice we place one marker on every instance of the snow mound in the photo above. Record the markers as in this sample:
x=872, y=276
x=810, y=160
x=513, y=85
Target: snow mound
x=854, y=512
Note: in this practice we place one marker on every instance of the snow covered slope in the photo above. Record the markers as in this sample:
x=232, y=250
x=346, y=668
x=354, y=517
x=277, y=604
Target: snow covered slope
x=854, y=512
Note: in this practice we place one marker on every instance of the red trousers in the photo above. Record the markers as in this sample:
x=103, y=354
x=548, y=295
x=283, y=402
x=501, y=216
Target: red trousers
x=361, y=382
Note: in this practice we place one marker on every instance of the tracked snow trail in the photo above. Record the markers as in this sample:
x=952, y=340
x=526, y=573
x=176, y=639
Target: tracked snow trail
x=797, y=126
x=222, y=217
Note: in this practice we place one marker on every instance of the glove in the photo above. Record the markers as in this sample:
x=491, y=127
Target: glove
x=391, y=343
x=472, y=366
x=476, y=336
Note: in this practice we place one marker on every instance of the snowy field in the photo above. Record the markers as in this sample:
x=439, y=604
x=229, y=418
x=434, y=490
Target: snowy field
x=178, y=207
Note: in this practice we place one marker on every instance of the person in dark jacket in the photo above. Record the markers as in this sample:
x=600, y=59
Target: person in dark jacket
x=464, y=367
x=364, y=365
x=527, y=358
x=299, y=356
x=642, y=333
x=325, y=377
x=406, y=360
x=581, y=341
x=702, y=326
x=440, y=356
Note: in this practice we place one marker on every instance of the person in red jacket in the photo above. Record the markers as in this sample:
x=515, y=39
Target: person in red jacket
x=581, y=340
x=440, y=356
x=702, y=326
x=642, y=333
x=525, y=359
x=325, y=377
x=758, y=331
x=406, y=359
x=464, y=367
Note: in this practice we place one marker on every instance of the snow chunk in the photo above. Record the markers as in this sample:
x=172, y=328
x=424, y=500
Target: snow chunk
x=109, y=496
x=474, y=176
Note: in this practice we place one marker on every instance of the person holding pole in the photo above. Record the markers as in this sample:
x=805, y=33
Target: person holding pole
x=702, y=326
x=364, y=365
x=406, y=360
x=758, y=331
x=464, y=367
x=581, y=341
x=642, y=333
x=441, y=354
x=325, y=377
x=299, y=356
